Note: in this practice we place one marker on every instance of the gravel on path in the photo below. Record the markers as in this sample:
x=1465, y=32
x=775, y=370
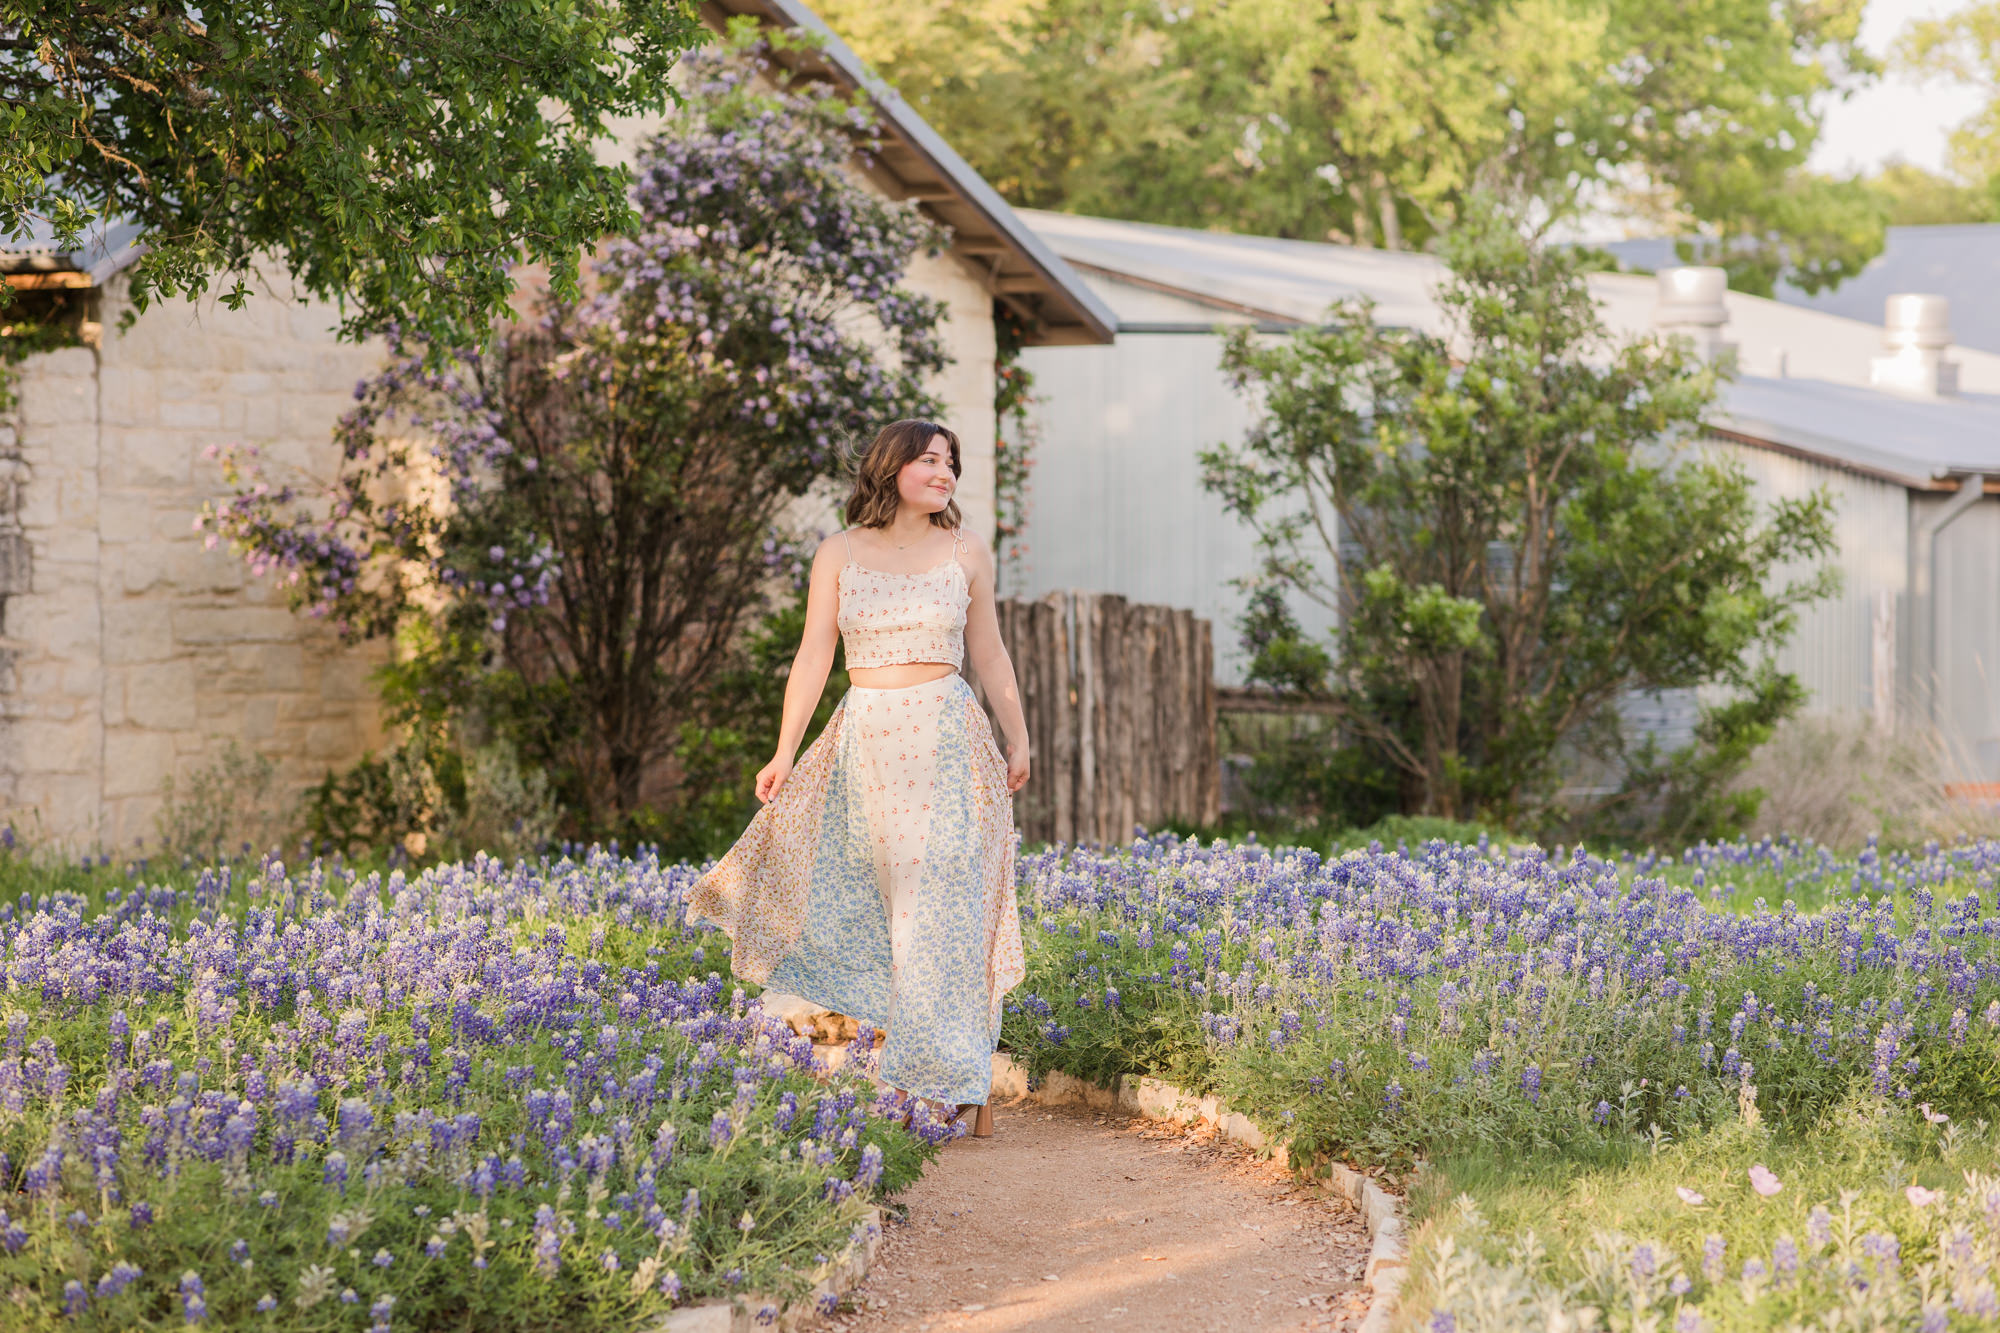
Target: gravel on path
x=1071, y=1219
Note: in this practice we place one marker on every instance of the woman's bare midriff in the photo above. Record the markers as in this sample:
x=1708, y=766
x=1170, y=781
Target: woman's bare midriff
x=900, y=675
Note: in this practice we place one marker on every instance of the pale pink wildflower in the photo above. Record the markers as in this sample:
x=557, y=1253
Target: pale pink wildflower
x=1693, y=1198
x=1763, y=1181
x=1920, y=1197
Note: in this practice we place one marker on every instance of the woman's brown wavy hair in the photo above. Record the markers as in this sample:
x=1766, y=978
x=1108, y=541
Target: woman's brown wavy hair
x=874, y=499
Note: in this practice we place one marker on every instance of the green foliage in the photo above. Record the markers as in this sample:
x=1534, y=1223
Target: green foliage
x=398, y=159
x=1510, y=1241
x=1913, y=197
x=1377, y=121
x=1232, y=970
x=434, y=796
x=1964, y=48
x=733, y=734
x=1685, y=795
x=1513, y=533
x=462, y=1208
x=229, y=802
x=1015, y=436
x=1063, y=1019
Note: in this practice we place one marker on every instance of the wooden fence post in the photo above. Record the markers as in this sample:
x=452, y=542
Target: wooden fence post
x=1120, y=702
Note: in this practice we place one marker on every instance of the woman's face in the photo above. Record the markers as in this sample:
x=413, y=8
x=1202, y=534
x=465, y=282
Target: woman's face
x=925, y=483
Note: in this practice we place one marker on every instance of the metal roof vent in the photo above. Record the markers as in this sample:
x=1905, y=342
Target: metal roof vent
x=1691, y=306
x=1916, y=333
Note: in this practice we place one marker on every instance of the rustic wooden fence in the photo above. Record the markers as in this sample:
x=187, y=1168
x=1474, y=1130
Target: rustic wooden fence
x=1120, y=700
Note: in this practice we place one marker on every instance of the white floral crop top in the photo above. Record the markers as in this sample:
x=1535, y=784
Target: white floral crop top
x=886, y=619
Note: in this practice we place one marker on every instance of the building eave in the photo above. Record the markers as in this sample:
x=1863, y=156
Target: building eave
x=1015, y=265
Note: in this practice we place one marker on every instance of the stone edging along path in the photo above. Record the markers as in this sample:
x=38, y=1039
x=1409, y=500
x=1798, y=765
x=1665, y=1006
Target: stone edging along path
x=1148, y=1097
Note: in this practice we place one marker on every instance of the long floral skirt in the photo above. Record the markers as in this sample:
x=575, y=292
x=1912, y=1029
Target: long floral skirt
x=879, y=883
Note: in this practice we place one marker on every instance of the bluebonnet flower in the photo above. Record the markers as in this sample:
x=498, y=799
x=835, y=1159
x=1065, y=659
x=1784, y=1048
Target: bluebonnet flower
x=194, y=1305
x=870, y=1170
x=1712, y=1249
x=121, y=1276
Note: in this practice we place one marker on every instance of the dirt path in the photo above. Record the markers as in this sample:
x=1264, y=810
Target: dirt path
x=1068, y=1218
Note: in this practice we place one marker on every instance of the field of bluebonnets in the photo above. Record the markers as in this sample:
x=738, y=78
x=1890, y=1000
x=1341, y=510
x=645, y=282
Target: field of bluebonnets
x=1747, y=1087
x=1744, y=1088
x=484, y=1096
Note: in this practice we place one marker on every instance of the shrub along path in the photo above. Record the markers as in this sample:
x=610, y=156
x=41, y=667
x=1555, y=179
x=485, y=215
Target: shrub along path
x=1070, y=1218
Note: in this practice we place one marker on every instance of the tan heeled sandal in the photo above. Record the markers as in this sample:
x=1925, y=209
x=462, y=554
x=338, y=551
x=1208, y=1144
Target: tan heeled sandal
x=982, y=1119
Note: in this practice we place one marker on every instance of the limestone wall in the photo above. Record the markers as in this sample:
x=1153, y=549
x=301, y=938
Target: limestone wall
x=135, y=653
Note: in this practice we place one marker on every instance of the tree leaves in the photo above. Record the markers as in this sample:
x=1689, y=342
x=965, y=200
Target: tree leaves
x=1516, y=538
x=1374, y=121
x=399, y=159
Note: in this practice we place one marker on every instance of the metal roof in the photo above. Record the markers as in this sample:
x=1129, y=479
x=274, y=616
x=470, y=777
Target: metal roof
x=1804, y=387
x=1916, y=441
x=105, y=250
x=1961, y=263
x=1951, y=261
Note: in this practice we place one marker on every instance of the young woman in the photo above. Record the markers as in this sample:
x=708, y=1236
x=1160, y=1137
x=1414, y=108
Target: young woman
x=878, y=879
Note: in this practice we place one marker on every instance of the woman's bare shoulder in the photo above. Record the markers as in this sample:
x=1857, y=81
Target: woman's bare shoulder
x=974, y=555
x=831, y=549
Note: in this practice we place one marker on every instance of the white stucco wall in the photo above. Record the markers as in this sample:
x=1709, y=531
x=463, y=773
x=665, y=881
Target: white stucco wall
x=966, y=385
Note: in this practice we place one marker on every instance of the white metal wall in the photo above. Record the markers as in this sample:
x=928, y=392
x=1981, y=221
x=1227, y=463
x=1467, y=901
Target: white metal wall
x=1117, y=503
x=1968, y=637
x=1832, y=651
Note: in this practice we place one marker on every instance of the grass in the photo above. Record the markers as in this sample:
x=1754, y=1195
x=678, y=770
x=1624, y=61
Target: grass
x=1506, y=1242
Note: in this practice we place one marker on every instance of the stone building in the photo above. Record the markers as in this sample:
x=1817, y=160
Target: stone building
x=130, y=653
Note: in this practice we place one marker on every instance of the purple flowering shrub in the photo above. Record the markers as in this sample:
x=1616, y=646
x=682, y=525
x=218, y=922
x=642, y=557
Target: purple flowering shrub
x=516, y=1094
x=576, y=515
x=1384, y=1006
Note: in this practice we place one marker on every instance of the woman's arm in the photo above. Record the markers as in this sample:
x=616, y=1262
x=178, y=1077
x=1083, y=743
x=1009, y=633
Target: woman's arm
x=810, y=665
x=988, y=658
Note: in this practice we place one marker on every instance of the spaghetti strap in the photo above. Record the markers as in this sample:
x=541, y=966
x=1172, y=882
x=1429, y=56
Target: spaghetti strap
x=957, y=540
x=850, y=543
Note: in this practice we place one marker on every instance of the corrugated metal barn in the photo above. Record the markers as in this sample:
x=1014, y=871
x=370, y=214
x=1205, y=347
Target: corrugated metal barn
x=1901, y=427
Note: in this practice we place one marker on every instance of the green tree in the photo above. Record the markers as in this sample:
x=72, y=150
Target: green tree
x=1373, y=120
x=1910, y=196
x=1964, y=48
x=1515, y=535
x=399, y=158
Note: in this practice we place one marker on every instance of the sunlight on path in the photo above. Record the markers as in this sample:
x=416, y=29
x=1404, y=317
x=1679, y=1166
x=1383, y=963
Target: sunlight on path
x=1068, y=1219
